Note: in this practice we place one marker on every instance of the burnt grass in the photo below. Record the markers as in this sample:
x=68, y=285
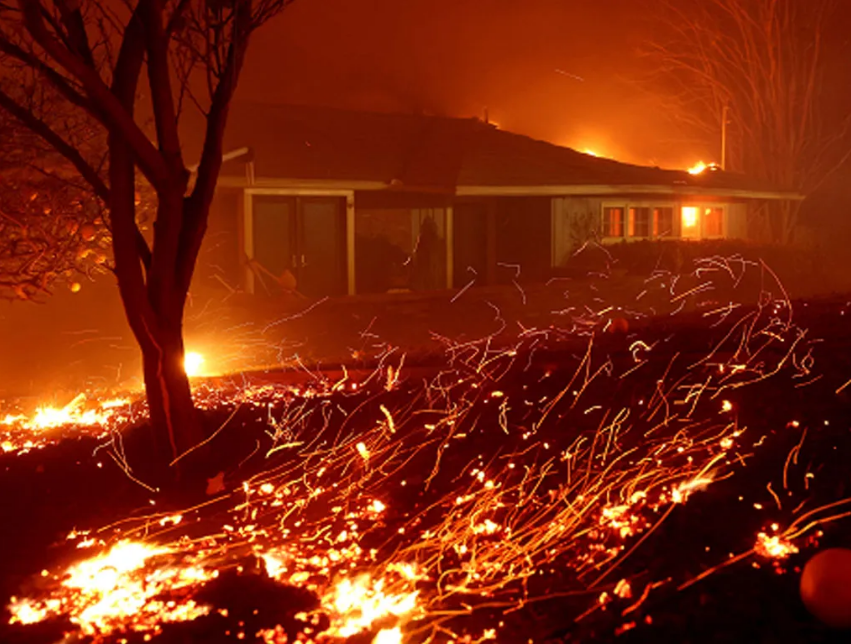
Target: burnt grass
x=46, y=493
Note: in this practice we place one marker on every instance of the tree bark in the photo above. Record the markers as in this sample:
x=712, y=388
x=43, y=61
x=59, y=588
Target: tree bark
x=174, y=419
x=153, y=303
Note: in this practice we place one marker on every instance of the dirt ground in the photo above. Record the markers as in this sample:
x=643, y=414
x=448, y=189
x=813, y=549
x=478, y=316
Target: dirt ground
x=77, y=342
x=63, y=487
x=72, y=342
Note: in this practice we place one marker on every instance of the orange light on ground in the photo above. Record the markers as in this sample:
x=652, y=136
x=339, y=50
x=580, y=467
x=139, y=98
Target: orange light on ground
x=193, y=362
x=698, y=168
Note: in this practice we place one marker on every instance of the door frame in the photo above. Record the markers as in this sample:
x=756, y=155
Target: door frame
x=248, y=227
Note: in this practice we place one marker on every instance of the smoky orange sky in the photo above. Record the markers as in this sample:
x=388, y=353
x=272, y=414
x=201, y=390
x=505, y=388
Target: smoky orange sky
x=560, y=70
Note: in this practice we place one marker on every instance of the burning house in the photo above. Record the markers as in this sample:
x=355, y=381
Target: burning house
x=331, y=202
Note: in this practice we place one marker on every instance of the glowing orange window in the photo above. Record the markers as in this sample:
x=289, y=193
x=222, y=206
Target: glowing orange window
x=713, y=222
x=690, y=222
x=639, y=222
x=613, y=222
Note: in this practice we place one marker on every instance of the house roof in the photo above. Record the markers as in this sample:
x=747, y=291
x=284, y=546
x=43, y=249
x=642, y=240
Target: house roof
x=438, y=154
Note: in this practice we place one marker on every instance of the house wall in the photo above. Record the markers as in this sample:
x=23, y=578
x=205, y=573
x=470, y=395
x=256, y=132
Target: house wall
x=737, y=220
x=387, y=228
x=492, y=239
x=473, y=241
x=574, y=221
x=577, y=219
x=219, y=261
x=523, y=238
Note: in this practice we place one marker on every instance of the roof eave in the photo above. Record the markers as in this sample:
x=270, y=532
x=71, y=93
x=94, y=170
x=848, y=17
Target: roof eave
x=610, y=189
x=515, y=191
x=296, y=184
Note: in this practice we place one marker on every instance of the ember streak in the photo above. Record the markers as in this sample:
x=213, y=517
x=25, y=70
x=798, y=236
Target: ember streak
x=405, y=504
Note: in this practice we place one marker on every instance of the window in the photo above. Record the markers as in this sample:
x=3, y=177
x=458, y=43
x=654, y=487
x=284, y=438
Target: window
x=663, y=222
x=690, y=222
x=613, y=221
x=646, y=219
x=713, y=222
x=639, y=222
x=702, y=222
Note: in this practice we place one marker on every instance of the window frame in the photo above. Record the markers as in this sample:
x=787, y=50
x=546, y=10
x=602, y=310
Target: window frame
x=672, y=233
x=623, y=206
x=631, y=223
x=722, y=221
x=651, y=205
x=702, y=207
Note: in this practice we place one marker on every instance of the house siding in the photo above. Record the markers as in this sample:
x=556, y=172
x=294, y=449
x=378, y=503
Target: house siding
x=574, y=221
x=219, y=260
x=577, y=219
x=493, y=239
x=523, y=238
x=737, y=220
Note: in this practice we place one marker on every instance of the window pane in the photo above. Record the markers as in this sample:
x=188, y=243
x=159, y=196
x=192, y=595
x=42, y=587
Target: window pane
x=713, y=222
x=383, y=249
x=663, y=222
x=639, y=222
x=274, y=237
x=612, y=222
x=690, y=222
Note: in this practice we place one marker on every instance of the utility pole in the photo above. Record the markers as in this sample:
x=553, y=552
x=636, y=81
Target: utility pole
x=724, y=138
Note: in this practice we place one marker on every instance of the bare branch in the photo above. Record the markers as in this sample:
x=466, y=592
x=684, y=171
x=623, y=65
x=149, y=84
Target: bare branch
x=764, y=61
x=49, y=231
x=177, y=18
x=61, y=83
x=42, y=129
x=72, y=19
x=109, y=108
x=159, y=80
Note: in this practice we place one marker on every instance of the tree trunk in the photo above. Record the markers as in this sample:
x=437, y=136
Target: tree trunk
x=154, y=310
x=176, y=424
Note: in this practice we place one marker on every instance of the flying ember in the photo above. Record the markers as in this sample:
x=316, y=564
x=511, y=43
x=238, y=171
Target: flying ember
x=402, y=501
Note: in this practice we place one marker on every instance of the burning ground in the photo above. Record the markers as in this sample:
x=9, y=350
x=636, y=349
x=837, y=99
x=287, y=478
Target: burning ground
x=629, y=472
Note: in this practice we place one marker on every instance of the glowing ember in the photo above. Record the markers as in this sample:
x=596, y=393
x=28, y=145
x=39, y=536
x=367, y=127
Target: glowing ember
x=21, y=433
x=193, y=363
x=681, y=492
x=115, y=403
x=773, y=547
x=360, y=602
x=115, y=591
x=388, y=636
x=102, y=573
x=71, y=414
x=412, y=499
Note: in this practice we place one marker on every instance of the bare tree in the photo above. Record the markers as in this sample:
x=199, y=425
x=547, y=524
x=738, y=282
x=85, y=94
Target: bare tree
x=94, y=54
x=50, y=233
x=51, y=227
x=761, y=70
